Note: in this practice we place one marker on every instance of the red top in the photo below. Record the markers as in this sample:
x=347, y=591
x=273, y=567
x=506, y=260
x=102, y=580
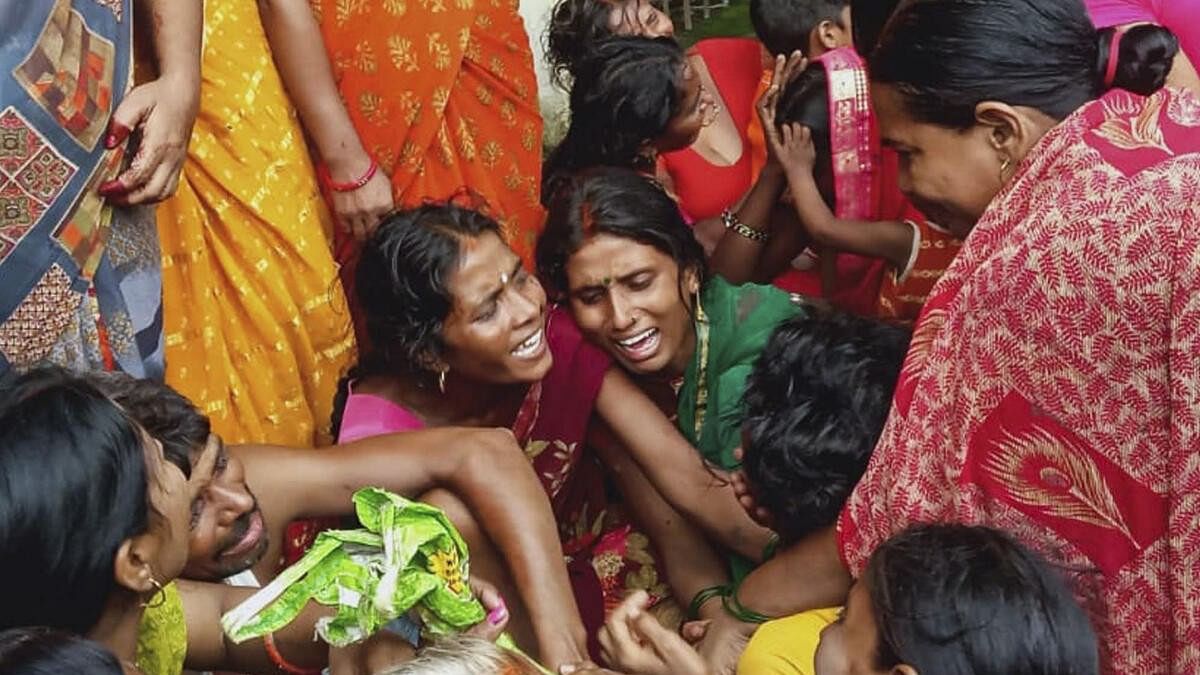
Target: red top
x=705, y=189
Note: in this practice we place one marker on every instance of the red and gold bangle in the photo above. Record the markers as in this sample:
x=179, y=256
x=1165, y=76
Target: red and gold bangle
x=282, y=663
x=353, y=185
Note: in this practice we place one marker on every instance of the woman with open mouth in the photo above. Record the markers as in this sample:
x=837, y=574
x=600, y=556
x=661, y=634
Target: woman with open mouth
x=463, y=336
x=618, y=251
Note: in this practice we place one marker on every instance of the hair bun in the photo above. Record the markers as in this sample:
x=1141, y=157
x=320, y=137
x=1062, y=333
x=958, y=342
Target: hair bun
x=1144, y=58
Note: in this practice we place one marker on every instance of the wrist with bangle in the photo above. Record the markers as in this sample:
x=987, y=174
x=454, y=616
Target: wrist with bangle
x=278, y=660
x=350, y=186
x=734, y=607
x=703, y=597
x=732, y=222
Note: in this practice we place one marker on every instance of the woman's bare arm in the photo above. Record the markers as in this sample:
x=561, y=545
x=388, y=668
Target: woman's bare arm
x=675, y=468
x=303, y=63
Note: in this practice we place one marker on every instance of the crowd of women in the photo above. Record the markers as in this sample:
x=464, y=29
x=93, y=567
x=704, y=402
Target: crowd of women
x=867, y=345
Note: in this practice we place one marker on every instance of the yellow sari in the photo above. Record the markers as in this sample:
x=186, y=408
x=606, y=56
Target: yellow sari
x=257, y=329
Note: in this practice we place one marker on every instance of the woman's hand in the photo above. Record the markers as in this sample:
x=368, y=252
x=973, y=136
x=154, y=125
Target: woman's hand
x=162, y=112
x=768, y=103
x=633, y=641
x=745, y=495
x=360, y=210
x=497, y=612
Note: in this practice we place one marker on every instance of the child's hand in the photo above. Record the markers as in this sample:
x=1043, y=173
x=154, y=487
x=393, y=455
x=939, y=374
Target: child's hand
x=795, y=150
x=633, y=641
x=768, y=104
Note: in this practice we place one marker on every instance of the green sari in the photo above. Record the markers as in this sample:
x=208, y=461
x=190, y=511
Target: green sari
x=733, y=324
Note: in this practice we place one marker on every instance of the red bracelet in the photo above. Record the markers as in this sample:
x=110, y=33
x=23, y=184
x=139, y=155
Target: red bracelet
x=351, y=186
x=282, y=663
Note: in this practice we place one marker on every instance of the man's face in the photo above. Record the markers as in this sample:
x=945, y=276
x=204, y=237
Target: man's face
x=228, y=534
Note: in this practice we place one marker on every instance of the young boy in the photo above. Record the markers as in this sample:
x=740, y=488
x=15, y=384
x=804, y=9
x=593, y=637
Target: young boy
x=811, y=27
x=815, y=405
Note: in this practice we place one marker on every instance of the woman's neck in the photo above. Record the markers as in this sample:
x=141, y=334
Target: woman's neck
x=118, y=627
x=465, y=402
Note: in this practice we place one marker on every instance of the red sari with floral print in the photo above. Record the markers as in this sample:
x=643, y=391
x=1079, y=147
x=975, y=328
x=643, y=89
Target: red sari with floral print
x=1053, y=386
x=605, y=556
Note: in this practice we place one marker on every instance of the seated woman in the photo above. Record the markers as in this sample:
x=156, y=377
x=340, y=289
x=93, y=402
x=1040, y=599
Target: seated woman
x=714, y=171
x=617, y=251
x=251, y=493
x=463, y=336
x=851, y=207
x=94, y=526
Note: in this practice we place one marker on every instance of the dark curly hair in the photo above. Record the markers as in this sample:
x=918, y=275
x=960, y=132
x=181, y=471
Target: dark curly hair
x=576, y=26
x=163, y=412
x=815, y=405
x=401, y=284
x=618, y=202
x=950, y=599
x=626, y=91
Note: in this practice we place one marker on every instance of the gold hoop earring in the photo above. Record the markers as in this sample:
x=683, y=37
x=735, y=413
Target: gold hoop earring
x=442, y=380
x=159, y=598
x=1004, y=167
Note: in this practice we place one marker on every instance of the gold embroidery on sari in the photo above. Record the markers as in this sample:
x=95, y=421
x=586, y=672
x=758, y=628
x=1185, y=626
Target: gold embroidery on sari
x=1045, y=472
x=1129, y=132
x=922, y=342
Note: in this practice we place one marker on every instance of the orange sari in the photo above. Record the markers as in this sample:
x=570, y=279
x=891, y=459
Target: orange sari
x=444, y=96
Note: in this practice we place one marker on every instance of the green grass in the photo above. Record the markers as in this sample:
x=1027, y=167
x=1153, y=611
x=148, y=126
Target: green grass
x=731, y=21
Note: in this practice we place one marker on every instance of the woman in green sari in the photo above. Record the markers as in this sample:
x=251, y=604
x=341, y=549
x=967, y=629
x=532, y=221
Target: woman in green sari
x=616, y=248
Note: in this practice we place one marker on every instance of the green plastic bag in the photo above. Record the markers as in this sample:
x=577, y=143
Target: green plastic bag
x=407, y=558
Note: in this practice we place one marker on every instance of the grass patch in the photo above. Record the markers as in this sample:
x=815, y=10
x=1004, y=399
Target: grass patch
x=731, y=21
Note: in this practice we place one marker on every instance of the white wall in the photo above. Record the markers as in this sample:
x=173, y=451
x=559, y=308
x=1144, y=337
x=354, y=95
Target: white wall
x=553, y=100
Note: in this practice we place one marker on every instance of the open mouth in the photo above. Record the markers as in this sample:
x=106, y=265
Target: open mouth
x=531, y=347
x=641, y=346
x=249, y=540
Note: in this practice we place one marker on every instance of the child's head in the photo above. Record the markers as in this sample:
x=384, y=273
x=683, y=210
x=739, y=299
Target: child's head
x=464, y=655
x=959, y=600
x=812, y=27
x=805, y=100
x=815, y=405
x=44, y=651
x=632, y=97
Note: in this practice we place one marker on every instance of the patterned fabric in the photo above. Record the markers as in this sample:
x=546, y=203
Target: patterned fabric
x=863, y=185
x=1053, y=384
x=257, y=328
x=65, y=294
x=162, y=636
x=905, y=291
x=465, y=116
x=606, y=557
